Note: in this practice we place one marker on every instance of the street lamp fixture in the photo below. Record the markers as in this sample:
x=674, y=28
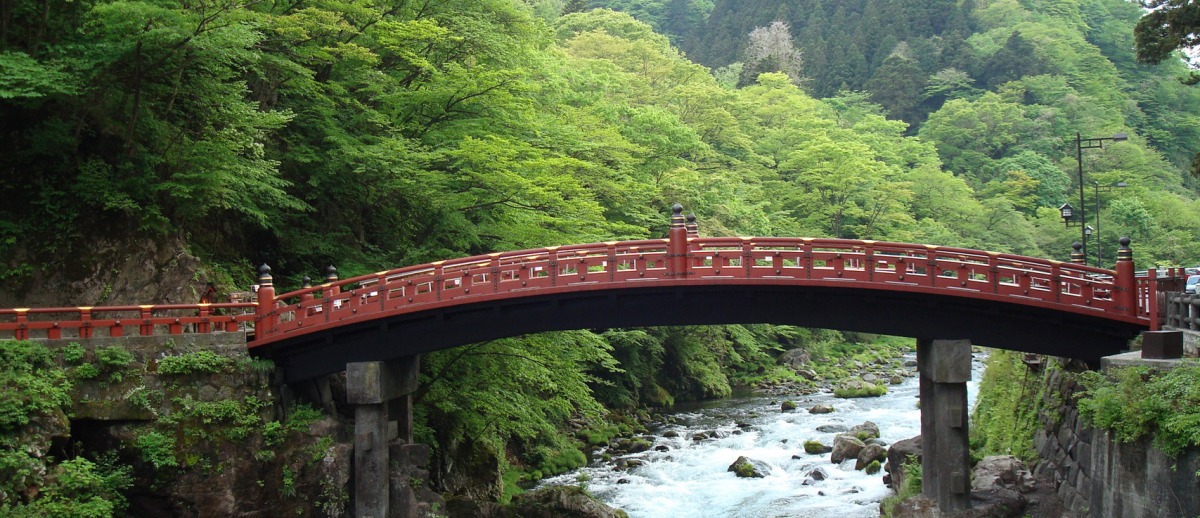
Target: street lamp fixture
x=1066, y=210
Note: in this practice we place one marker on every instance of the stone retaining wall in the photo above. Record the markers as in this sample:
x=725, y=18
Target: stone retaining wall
x=1097, y=476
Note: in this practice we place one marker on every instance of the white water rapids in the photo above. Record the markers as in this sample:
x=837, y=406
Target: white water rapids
x=691, y=478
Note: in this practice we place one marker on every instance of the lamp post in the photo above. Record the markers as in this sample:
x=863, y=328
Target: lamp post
x=1099, y=246
x=1066, y=210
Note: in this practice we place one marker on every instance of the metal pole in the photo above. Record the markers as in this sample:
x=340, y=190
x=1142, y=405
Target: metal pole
x=1099, y=242
x=1082, y=203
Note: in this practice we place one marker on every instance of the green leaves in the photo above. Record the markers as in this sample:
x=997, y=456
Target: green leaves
x=1135, y=402
x=22, y=76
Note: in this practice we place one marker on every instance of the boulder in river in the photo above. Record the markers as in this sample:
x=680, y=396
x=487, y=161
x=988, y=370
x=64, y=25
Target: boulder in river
x=745, y=467
x=870, y=453
x=821, y=408
x=866, y=431
x=845, y=447
x=787, y=406
x=818, y=474
x=816, y=448
x=831, y=428
x=899, y=453
x=853, y=388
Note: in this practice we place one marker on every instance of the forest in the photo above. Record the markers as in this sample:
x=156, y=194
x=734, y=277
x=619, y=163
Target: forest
x=371, y=135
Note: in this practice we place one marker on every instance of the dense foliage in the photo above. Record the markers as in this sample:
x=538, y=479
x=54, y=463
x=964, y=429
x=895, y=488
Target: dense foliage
x=1006, y=409
x=1137, y=402
x=34, y=402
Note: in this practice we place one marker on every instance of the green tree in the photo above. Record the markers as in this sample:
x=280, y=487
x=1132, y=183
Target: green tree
x=1168, y=26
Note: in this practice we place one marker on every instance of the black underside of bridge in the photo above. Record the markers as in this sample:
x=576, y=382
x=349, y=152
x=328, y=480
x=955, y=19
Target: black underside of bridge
x=984, y=322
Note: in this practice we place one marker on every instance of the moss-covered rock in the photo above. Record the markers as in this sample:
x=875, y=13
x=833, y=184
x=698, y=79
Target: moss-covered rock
x=816, y=447
x=558, y=501
x=853, y=388
x=745, y=467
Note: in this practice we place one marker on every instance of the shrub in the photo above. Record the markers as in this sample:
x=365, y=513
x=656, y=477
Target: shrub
x=157, y=449
x=910, y=488
x=87, y=371
x=194, y=362
x=73, y=353
x=1134, y=402
x=114, y=357
x=31, y=384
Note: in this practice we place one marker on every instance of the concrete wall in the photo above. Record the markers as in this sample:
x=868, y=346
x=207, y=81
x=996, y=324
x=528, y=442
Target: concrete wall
x=1097, y=476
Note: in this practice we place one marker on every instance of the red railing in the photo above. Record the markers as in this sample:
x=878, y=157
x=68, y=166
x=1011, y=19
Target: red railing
x=681, y=259
x=115, y=321
x=722, y=260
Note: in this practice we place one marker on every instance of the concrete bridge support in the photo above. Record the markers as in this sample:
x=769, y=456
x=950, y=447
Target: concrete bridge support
x=945, y=369
x=381, y=393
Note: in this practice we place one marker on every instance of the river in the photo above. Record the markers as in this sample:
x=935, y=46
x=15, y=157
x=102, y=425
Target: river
x=690, y=479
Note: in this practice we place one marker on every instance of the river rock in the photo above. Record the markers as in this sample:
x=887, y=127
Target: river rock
x=795, y=358
x=807, y=374
x=818, y=474
x=635, y=445
x=898, y=454
x=787, y=406
x=845, y=447
x=870, y=378
x=558, y=501
x=1003, y=471
x=821, y=408
x=669, y=434
x=745, y=467
x=852, y=388
x=816, y=448
x=831, y=428
x=869, y=454
x=865, y=431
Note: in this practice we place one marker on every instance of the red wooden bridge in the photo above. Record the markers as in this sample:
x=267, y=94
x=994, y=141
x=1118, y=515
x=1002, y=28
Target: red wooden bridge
x=925, y=291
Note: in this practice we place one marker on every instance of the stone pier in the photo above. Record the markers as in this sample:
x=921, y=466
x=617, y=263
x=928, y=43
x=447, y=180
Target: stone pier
x=945, y=369
x=381, y=393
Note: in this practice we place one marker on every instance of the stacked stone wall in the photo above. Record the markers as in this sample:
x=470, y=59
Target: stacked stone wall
x=1098, y=476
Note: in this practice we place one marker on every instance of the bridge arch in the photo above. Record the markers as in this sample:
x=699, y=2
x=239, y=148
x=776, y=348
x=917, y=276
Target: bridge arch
x=922, y=291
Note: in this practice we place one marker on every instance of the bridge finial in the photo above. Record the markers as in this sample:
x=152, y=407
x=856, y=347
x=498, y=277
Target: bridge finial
x=693, y=229
x=264, y=276
x=1124, y=253
x=1077, y=256
x=677, y=219
x=307, y=282
x=331, y=274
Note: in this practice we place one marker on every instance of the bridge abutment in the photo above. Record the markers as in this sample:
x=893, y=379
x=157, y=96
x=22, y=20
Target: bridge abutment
x=945, y=369
x=381, y=393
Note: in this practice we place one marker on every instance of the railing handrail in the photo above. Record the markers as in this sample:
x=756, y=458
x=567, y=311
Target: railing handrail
x=791, y=260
